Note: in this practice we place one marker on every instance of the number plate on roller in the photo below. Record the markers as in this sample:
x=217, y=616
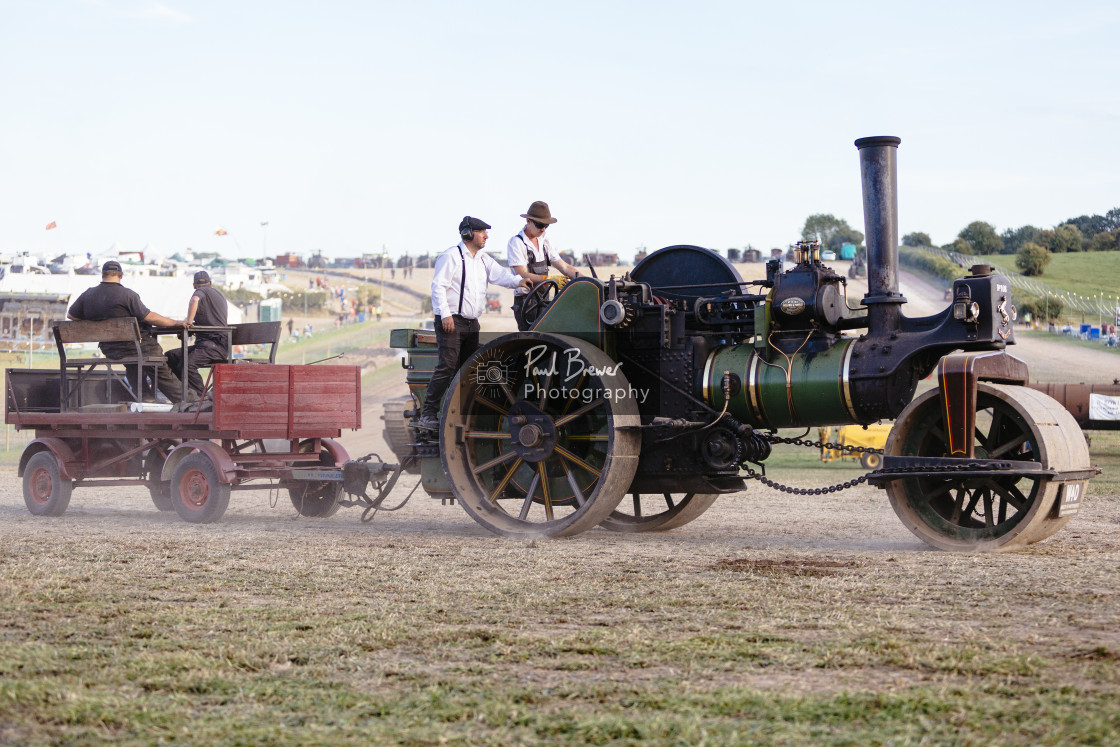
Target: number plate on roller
x=1069, y=498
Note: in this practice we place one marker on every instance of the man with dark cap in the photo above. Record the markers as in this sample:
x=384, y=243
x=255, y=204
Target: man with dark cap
x=531, y=256
x=111, y=300
x=462, y=275
x=207, y=308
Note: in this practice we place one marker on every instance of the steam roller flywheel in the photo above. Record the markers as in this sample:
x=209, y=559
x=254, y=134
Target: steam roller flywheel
x=987, y=513
x=685, y=265
x=538, y=435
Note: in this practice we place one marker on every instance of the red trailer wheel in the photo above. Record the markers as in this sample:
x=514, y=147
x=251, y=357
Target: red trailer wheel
x=45, y=491
x=317, y=500
x=197, y=493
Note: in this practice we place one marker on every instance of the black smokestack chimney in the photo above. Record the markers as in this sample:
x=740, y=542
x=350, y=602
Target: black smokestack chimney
x=878, y=165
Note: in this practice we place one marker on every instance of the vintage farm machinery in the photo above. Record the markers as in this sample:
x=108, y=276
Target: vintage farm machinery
x=634, y=403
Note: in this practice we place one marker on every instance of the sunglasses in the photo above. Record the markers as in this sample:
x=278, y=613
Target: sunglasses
x=540, y=226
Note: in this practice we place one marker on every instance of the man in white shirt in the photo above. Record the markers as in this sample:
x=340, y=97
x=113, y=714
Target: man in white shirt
x=462, y=275
x=530, y=255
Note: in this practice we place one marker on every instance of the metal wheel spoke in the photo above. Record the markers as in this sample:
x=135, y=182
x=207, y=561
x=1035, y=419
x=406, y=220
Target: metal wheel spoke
x=493, y=497
x=591, y=437
x=1004, y=448
x=994, y=429
x=564, y=453
x=580, y=500
x=940, y=490
x=971, y=508
x=500, y=459
x=508, y=392
x=499, y=435
x=576, y=388
x=547, y=382
x=545, y=493
x=561, y=422
x=492, y=405
x=1010, y=495
x=528, y=503
x=958, y=506
x=989, y=520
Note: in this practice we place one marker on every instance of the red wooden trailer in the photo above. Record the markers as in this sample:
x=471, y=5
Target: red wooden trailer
x=270, y=426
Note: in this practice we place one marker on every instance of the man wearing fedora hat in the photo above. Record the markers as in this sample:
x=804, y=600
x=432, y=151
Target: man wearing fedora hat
x=111, y=300
x=530, y=255
x=462, y=275
x=207, y=308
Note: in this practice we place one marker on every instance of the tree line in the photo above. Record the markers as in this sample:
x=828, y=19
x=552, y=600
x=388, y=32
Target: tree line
x=1033, y=246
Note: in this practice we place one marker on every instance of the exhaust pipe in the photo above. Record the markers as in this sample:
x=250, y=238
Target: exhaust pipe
x=878, y=165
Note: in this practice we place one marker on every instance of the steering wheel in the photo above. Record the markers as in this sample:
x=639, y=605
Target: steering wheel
x=539, y=298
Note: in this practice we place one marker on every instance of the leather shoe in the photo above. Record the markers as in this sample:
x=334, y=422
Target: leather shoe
x=427, y=423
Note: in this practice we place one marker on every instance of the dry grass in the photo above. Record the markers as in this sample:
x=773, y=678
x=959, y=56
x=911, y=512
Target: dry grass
x=772, y=619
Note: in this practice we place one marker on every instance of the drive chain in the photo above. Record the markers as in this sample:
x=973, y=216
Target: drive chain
x=774, y=438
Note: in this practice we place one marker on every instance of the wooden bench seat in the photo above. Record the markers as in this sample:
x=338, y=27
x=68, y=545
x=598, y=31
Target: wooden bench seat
x=124, y=329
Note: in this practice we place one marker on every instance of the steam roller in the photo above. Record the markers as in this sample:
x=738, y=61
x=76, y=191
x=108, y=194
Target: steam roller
x=634, y=402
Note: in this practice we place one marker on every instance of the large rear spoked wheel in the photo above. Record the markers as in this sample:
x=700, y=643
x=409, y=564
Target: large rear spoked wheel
x=984, y=513
x=658, y=512
x=539, y=435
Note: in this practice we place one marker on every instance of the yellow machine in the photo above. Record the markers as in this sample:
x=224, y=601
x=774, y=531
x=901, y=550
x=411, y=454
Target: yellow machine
x=870, y=437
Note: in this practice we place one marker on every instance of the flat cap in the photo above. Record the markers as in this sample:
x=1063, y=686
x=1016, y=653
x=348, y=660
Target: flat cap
x=473, y=224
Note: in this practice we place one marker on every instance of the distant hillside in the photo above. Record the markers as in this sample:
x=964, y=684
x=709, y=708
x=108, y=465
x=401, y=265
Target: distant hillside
x=1087, y=273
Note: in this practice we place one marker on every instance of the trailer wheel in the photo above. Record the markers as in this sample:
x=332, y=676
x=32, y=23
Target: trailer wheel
x=649, y=512
x=986, y=514
x=870, y=461
x=45, y=491
x=196, y=492
x=160, y=490
x=533, y=453
x=317, y=500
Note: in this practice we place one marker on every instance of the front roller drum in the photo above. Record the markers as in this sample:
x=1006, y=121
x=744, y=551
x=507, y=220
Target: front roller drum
x=539, y=435
x=985, y=513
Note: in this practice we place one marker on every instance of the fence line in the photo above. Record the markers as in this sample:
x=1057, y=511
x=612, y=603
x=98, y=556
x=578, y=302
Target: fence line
x=1085, y=304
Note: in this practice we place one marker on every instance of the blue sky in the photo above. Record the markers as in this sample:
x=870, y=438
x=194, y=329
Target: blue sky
x=349, y=126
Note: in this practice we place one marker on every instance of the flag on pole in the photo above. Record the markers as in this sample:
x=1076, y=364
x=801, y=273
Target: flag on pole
x=51, y=225
x=220, y=232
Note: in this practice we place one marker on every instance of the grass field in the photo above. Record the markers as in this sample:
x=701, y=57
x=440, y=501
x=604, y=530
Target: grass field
x=1086, y=273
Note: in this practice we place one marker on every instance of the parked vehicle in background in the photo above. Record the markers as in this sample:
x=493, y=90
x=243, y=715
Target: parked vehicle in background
x=869, y=437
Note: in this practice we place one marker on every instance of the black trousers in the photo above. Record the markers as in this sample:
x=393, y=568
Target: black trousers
x=518, y=307
x=202, y=353
x=454, y=349
x=167, y=382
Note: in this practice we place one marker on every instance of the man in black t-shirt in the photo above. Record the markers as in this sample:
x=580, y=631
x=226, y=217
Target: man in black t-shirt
x=111, y=300
x=207, y=308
